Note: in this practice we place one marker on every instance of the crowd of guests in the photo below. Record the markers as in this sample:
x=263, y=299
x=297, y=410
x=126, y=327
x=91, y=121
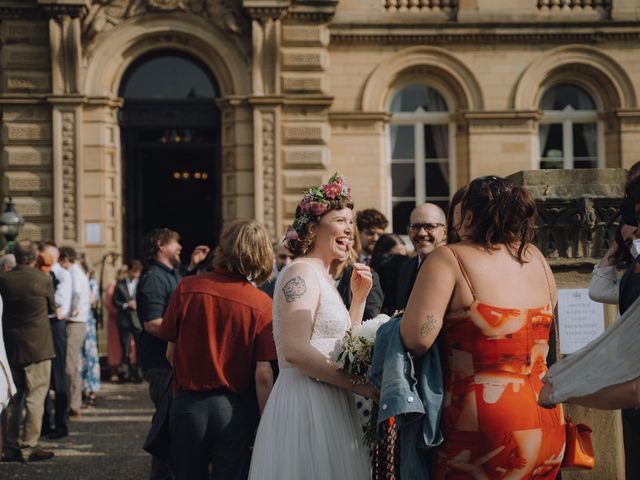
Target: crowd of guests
x=49, y=332
x=470, y=284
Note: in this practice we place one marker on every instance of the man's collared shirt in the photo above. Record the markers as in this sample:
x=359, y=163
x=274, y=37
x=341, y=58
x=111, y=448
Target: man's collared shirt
x=131, y=286
x=64, y=290
x=152, y=298
x=80, y=298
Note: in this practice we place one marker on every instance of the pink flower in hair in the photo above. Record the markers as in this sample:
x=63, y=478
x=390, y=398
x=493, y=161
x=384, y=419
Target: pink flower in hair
x=317, y=208
x=332, y=190
x=291, y=233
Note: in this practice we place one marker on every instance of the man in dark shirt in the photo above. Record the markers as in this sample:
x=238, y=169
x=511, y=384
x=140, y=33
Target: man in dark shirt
x=158, y=281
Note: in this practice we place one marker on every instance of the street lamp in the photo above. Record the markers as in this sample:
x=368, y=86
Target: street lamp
x=10, y=222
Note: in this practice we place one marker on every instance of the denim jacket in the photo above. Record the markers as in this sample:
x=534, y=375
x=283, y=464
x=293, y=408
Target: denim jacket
x=414, y=396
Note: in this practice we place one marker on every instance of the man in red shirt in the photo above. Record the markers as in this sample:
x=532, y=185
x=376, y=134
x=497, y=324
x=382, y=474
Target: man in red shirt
x=221, y=342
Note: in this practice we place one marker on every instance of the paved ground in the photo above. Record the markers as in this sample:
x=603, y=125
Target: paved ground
x=106, y=443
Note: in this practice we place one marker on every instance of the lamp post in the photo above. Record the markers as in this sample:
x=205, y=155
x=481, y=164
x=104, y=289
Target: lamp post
x=10, y=223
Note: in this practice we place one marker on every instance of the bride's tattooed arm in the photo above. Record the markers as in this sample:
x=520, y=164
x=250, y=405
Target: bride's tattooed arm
x=294, y=289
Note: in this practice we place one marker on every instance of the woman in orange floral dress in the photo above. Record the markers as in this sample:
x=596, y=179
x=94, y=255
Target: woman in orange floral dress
x=492, y=296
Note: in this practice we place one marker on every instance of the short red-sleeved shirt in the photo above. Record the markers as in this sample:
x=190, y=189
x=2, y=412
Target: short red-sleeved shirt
x=221, y=324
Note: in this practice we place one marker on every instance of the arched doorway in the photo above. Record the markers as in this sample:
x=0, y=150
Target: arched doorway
x=170, y=131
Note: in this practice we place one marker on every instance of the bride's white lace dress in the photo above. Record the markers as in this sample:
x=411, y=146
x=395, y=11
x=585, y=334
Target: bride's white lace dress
x=309, y=430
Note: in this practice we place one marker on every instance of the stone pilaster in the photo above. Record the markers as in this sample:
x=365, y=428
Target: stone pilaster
x=25, y=139
x=306, y=129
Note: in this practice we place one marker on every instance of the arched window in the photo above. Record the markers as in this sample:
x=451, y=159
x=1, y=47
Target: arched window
x=167, y=75
x=569, y=129
x=420, y=151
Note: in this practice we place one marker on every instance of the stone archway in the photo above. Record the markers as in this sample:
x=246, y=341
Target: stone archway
x=107, y=59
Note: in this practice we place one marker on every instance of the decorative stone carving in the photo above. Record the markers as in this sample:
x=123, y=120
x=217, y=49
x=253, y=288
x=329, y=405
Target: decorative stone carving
x=577, y=210
x=23, y=57
x=106, y=14
x=305, y=157
x=26, y=82
x=307, y=35
x=304, y=59
x=306, y=133
x=33, y=206
x=68, y=176
x=166, y=5
x=25, y=182
x=268, y=121
x=26, y=157
x=303, y=83
x=27, y=132
x=14, y=31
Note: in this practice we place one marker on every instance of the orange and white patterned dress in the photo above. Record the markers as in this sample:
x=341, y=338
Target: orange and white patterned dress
x=493, y=428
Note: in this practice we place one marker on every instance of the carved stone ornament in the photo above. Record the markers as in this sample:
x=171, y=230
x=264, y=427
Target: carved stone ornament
x=269, y=171
x=105, y=14
x=68, y=177
x=166, y=5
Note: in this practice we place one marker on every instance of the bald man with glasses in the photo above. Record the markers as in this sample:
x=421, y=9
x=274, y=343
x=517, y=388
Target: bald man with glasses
x=427, y=231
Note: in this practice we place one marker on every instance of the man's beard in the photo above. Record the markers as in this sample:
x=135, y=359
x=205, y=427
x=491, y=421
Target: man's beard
x=175, y=261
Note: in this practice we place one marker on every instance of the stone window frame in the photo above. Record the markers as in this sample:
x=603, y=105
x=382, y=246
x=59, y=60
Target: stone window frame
x=568, y=118
x=419, y=120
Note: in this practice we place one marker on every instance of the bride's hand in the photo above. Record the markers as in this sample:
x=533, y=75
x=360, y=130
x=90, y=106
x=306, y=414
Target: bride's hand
x=366, y=390
x=361, y=281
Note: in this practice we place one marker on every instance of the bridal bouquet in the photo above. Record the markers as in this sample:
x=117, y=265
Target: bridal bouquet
x=355, y=357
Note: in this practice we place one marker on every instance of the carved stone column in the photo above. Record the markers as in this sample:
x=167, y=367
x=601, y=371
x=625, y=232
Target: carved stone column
x=266, y=102
x=66, y=101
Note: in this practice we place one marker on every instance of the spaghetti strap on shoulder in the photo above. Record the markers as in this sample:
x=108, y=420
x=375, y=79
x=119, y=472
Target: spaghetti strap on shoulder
x=464, y=272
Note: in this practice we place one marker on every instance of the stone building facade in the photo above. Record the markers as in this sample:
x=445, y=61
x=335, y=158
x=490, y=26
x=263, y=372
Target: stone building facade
x=410, y=99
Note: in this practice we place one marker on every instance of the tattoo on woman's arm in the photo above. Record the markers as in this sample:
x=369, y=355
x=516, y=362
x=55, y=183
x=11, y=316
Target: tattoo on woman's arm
x=294, y=289
x=428, y=326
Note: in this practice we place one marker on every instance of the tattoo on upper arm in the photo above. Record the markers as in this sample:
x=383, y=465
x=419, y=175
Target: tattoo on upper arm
x=428, y=326
x=294, y=289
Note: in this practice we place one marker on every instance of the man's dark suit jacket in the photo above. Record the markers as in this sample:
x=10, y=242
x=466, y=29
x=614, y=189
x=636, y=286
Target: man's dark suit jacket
x=127, y=319
x=28, y=299
x=406, y=279
x=374, y=299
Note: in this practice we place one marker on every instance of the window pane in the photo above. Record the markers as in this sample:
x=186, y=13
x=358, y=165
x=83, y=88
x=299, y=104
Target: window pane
x=402, y=144
x=167, y=76
x=401, y=212
x=585, y=163
x=561, y=96
x=437, y=179
x=410, y=98
x=585, y=140
x=551, y=141
x=403, y=179
x=436, y=141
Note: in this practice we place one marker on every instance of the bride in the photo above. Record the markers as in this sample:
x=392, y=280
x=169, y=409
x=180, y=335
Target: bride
x=309, y=428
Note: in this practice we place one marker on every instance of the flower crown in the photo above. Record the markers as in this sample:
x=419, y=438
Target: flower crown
x=317, y=201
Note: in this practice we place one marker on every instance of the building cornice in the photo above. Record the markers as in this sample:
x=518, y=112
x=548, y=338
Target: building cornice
x=482, y=34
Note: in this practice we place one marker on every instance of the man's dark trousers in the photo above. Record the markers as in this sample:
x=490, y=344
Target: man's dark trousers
x=59, y=384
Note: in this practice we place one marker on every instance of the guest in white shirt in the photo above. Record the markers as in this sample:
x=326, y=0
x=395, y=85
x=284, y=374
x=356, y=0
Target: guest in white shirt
x=76, y=326
x=7, y=387
x=54, y=422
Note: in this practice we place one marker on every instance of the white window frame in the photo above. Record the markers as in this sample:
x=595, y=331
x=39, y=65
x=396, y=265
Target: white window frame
x=419, y=119
x=567, y=118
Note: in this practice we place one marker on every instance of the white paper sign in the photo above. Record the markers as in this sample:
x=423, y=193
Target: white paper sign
x=93, y=233
x=580, y=319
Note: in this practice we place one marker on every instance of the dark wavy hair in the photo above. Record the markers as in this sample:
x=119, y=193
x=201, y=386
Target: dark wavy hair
x=156, y=238
x=307, y=232
x=371, y=218
x=383, y=246
x=503, y=214
x=452, y=233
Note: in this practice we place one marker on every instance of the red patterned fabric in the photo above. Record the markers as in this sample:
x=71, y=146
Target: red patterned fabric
x=492, y=424
x=386, y=455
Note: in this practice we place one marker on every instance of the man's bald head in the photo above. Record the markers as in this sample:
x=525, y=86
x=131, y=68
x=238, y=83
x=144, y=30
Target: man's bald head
x=427, y=228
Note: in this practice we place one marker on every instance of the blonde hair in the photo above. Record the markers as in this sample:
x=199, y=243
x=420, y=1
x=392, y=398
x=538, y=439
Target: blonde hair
x=245, y=247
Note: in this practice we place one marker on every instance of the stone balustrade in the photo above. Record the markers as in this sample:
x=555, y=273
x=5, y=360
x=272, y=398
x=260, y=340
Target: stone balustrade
x=603, y=6
x=448, y=7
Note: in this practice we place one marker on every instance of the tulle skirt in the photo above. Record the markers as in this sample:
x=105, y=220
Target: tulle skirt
x=309, y=430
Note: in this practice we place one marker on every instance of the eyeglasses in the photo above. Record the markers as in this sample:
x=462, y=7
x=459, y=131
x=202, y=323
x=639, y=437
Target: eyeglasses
x=429, y=227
